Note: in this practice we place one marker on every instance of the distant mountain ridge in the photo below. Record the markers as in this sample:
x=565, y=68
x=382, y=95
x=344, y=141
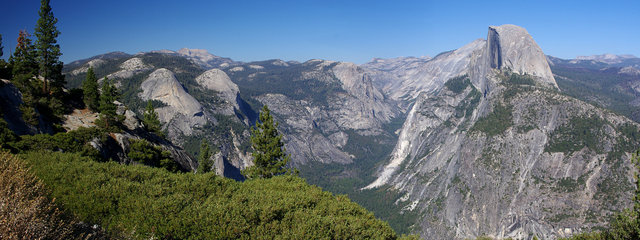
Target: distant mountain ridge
x=607, y=58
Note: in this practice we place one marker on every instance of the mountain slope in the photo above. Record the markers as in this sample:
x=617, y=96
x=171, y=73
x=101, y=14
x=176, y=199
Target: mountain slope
x=505, y=154
x=612, y=83
x=320, y=104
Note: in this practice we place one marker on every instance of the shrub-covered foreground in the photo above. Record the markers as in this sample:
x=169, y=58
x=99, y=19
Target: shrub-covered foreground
x=25, y=211
x=146, y=202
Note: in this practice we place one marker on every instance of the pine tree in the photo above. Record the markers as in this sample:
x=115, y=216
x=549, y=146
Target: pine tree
x=24, y=68
x=5, y=69
x=204, y=159
x=150, y=119
x=90, y=91
x=269, y=154
x=23, y=59
x=108, y=95
x=48, y=50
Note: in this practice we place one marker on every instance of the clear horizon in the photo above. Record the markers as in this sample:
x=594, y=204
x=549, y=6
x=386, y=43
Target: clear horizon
x=352, y=31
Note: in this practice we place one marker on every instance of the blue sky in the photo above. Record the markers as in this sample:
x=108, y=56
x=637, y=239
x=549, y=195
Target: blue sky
x=353, y=31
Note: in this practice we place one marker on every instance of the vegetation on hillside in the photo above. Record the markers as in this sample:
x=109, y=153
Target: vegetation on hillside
x=205, y=163
x=602, y=86
x=496, y=122
x=626, y=224
x=149, y=202
x=25, y=210
x=458, y=84
x=295, y=81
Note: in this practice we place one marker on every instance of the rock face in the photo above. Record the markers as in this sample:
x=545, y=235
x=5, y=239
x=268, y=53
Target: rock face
x=117, y=146
x=316, y=128
x=365, y=100
x=217, y=80
x=200, y=57
x=79, y=118
x=183, y=112
x=175, y=79
x=93, y=64
x=204, y=58
x=129, y=68
x=10, y=100
x=508, y=162
x=511, y=47
x=404, y=79
x=302, y=125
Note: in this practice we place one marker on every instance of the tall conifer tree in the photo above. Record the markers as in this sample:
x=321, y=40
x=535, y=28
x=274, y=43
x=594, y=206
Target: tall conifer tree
x=50, y=67
x=204, y=158
x=108, y=95
x=151, y=120
x=5, y=70
x=269, y=154
x=23, y=59
x=90, y=91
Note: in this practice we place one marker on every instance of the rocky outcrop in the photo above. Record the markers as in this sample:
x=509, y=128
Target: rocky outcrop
x=79, y=118
x=510, y=47
x=91, y=64
x=630, y=71
x=218, y=81
x=303, y=127
x=182, y=113
x=204, y=58
x=201, y=57
x=10, y=101
x=364, y=101
x=130, y=68
x=317, y=130
x=404, y=82
x=117, y=146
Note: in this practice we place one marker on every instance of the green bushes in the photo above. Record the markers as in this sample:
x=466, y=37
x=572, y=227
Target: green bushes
x=458, y=84
x=496, y=122
x=72, y=141
x=520, y=79
x=142, y=151
x=25, y=211
x=577, y=134
x=148, y=202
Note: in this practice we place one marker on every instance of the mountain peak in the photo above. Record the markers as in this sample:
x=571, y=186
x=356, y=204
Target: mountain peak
x=510, y=47
x=203, y=53
x=201, y=57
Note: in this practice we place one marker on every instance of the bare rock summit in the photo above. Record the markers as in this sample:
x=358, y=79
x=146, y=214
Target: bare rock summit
x=182, y=112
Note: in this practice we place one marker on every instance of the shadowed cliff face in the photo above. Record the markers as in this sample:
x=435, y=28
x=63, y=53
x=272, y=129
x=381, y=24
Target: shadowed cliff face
x=495, y=53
